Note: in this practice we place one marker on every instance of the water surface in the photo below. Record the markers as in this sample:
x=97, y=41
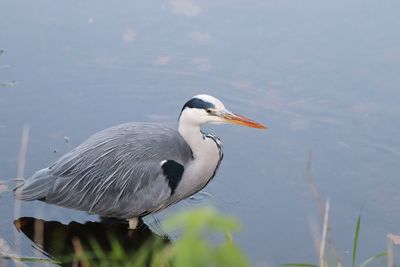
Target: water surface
x=321, y=75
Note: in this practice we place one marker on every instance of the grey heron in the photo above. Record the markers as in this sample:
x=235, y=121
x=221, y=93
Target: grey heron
x=131, y=170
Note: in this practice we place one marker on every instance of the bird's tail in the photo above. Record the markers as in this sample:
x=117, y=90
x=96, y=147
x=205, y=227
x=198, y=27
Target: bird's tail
x=36, y=187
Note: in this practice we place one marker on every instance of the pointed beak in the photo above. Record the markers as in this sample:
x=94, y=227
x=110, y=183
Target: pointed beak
x=239, y=119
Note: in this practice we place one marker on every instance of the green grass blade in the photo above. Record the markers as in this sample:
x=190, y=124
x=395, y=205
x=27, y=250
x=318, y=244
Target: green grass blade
x=355, y=244
x=373, y=258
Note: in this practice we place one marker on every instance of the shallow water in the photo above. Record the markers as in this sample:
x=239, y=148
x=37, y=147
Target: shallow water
x=322, y=76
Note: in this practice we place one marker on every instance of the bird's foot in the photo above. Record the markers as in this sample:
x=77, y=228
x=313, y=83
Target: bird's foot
x=133, y=223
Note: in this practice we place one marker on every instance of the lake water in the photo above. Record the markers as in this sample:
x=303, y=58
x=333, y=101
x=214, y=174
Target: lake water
x=324, y=76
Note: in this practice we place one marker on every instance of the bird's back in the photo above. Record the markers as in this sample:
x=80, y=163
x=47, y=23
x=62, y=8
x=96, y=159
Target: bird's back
x=116, y=172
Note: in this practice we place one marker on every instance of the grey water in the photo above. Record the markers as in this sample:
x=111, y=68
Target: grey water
x=324, y=76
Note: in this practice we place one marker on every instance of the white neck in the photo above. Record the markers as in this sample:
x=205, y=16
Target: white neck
x=193, y=136
x=206, y=156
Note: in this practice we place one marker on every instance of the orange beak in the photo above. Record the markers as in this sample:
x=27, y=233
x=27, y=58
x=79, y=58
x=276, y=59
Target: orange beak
x=239, y=119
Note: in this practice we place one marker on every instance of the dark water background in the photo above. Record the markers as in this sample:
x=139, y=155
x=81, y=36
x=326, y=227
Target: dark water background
x=322, y=75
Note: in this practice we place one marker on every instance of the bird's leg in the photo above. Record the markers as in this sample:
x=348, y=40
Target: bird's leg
x=133, y=223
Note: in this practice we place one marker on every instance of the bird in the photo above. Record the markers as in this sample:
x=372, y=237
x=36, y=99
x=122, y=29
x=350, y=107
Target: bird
x=135, y=169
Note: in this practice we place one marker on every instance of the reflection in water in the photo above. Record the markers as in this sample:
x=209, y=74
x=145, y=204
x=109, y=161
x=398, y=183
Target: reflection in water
x=185, y=7
x=129, y=36
x=202, y=64
x=200, y=37
x=58, y=240
x=162, y=60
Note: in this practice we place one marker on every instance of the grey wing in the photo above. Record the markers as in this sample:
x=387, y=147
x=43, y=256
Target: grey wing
x=117, y=172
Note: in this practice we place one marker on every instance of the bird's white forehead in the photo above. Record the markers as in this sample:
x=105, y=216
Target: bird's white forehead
x=215, y=101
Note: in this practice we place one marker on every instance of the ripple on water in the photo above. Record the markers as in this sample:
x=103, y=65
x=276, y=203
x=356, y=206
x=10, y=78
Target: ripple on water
x=201, y=197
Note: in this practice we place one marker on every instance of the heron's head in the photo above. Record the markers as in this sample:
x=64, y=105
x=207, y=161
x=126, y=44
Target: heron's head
x=202, y=109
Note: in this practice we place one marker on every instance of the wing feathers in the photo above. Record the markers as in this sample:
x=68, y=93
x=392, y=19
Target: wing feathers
x=116, y=172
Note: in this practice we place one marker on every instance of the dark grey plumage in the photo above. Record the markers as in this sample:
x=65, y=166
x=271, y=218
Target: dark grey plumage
x=108, y=185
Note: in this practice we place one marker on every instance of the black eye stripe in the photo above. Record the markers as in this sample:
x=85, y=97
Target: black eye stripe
x=198, y=103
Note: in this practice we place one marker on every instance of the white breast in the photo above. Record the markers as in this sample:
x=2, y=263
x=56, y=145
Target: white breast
x=201, y=169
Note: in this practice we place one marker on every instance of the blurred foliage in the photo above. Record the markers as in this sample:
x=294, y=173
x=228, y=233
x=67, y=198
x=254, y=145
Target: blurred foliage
x=190, y=249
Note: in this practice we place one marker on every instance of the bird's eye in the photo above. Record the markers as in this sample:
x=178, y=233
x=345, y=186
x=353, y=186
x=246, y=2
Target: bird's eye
x=208, y=110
